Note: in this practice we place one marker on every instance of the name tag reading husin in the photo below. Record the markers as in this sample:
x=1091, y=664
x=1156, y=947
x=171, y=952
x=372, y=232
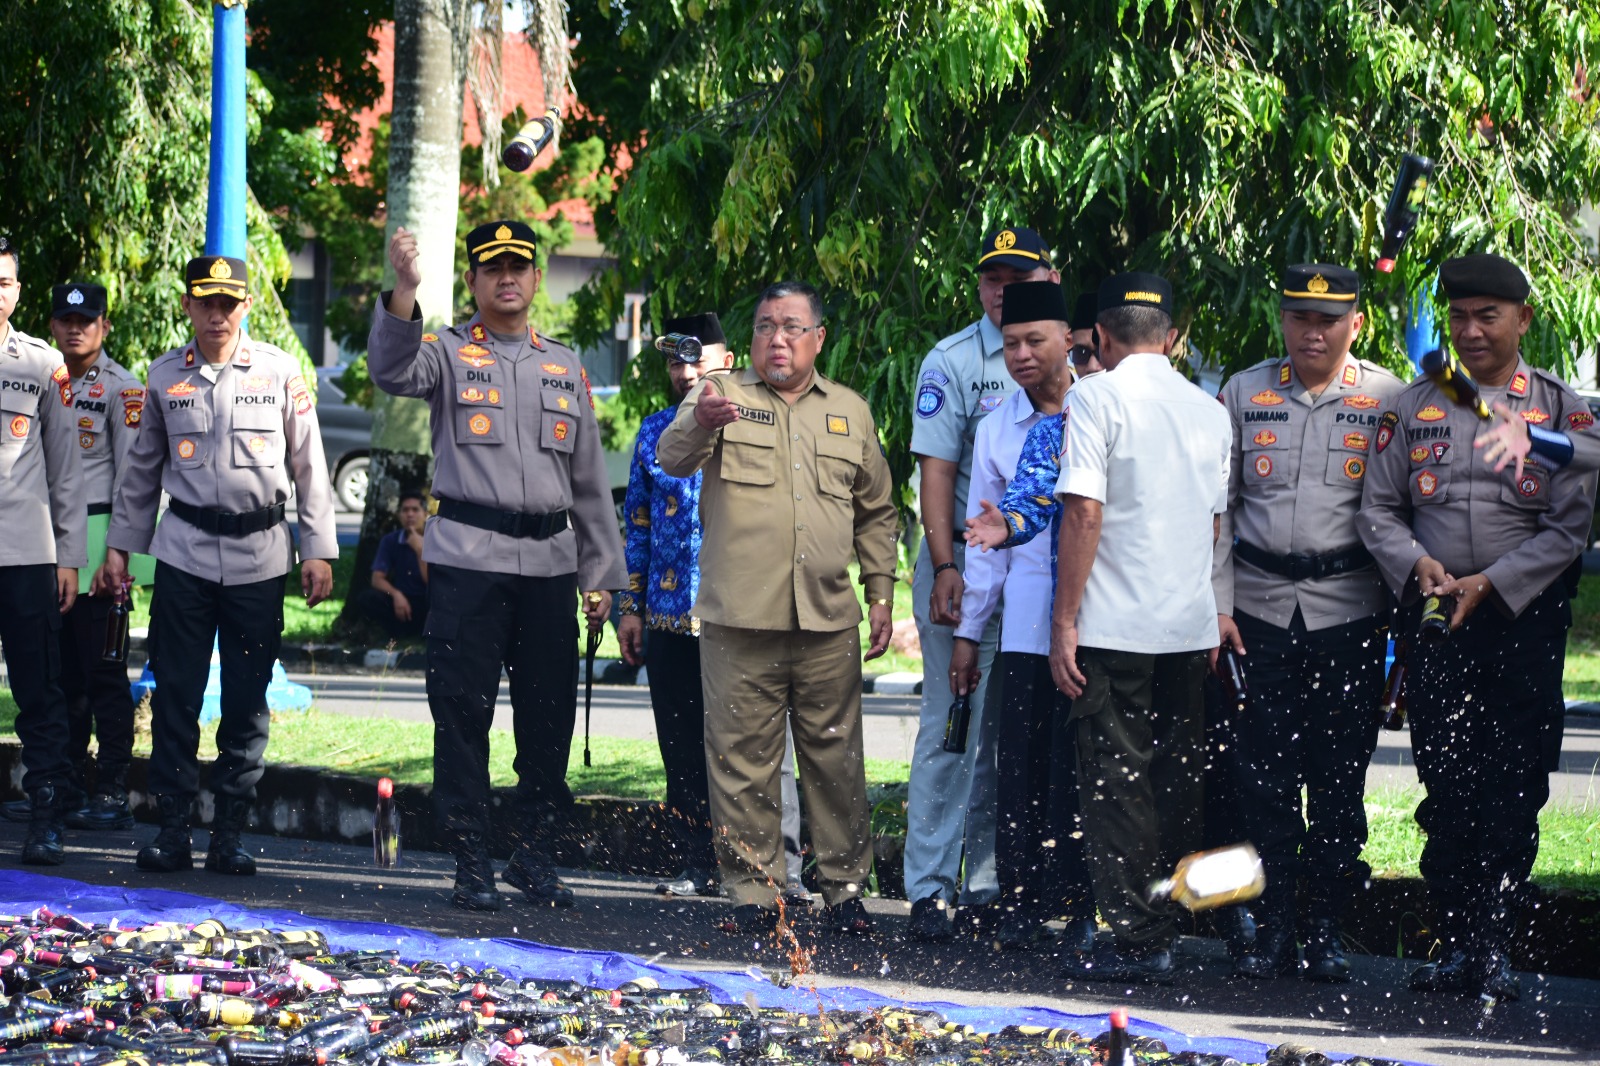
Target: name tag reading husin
x=751, y=414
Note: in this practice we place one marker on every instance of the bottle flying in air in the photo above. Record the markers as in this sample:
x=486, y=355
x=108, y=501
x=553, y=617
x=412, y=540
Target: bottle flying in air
x=530, y=140
x=1216, y=878
x=1405, y=205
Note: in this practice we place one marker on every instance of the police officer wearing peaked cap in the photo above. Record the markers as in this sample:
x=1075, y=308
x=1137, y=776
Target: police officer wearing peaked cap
x=41, y=496
x=1298, y=593
x=229, y=435
x=1485, y=704
x=525, y=521
x=951, y=806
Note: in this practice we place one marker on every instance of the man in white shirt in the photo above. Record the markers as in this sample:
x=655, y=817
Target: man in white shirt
x=1144, y=477
x=1038, y=788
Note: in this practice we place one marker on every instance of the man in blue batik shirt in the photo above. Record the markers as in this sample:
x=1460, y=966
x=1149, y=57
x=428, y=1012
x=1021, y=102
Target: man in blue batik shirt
x=662, y=550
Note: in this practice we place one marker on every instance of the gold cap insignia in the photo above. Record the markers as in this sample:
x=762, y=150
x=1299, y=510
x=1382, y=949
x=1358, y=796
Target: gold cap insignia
x=1317, y=284
x=220, y=269
x=503, y=233
x=1004, y=239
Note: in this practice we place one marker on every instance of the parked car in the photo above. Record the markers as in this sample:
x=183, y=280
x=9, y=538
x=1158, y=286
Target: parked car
x=346, y=438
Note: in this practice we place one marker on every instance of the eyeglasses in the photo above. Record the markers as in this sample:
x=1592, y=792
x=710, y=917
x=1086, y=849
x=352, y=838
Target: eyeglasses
x=765, y=330
x=1080, y=354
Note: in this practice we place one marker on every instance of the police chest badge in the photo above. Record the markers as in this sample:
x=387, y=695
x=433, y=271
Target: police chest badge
x=1534, y=416
x=19, y=427
x=1427, y=483
x=1266, y=438
x=839, y=424
x=1263, y=466
x=1419, y=454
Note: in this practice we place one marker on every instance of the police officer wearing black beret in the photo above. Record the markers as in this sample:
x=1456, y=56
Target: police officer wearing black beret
x=1501, y=548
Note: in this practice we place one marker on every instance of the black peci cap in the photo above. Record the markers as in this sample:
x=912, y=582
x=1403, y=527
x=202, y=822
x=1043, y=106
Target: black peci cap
x=1321, y=287
x=497, y=238
x=1085, y=310
x=1015, y=246
x=1032, y=301
x=1484, y=274
x=216, y=275
x=78, y=298
x=702, y=327
x=1136, y=290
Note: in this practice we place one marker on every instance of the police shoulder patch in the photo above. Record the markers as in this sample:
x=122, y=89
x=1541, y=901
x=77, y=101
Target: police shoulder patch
x=930, y=401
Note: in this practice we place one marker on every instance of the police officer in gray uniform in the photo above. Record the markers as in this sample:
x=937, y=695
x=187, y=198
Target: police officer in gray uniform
x=229, y=433
x=951, y=800
x=525, y=521
x=1299, y=595
x=1501, y=547
x=41, y=495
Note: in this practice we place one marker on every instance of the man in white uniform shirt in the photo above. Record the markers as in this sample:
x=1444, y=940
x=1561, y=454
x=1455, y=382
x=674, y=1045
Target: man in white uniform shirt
x=1144, y=477
x=1038, y=788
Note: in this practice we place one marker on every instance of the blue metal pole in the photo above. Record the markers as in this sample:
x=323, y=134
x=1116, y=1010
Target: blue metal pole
x=1422, y=332
x=225, y=213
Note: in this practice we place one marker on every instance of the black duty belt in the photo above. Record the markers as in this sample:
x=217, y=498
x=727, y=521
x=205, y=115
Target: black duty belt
x=99, y=508
x=227, y=523
x=1304, y=566
x=511, y=523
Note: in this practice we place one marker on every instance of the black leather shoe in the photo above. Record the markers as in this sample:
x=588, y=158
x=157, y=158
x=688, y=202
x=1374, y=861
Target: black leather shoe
x=474, y=888
x=850, y=917
x=1078, y=936
x=170, y=850
x=1498, y=984
x=796, y=896
x=1107, y=963
x=539, y=884
x=46, y=841
x=748, y=919
x=106, y=810
x=929, y=922
x=1271, y=955
x=693, y=881
x=1325, y=959
x=1449, y=974
x=17, y=810
x=1021, y=932
x=978, y=921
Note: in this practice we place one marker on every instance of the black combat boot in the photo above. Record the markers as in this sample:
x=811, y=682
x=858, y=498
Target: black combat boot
x=532, y=868
x=169, y=851
x=1274, y=952
x=1490, y=949
x=45, y=844
x=1325, y=958
x=1450, y=970
x=474, y=890
x=226, y=855
x=107, y=809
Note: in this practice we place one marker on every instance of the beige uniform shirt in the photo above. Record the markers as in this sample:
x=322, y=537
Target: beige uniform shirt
x=1294, y=488
x=1428, y=492
x=513, y=429
x=790, y=492
x=235, y=444
x=41, y=477
x=107, y=405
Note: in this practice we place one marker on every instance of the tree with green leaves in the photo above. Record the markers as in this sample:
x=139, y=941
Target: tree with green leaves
x=869, y=147
x=104, y=134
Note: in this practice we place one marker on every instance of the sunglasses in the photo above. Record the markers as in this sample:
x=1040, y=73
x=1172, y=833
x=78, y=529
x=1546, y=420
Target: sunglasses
x=1080, y=354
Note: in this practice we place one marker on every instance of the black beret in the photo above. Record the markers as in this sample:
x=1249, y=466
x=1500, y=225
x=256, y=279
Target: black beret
x=1321, y=287
x=78, y=299
x=216, y=275
x=497, y=238
x=1014, y=246
x=1136, y=290
x=1085, y=310
x=703, y=327
x=1484, y=274
x=1032, y=301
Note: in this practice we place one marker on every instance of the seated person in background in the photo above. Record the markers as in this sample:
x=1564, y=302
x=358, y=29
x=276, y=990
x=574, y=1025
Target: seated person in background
x=398, y=598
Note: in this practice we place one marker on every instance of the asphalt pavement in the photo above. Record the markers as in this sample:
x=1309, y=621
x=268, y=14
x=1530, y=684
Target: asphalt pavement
x=1558, y=1021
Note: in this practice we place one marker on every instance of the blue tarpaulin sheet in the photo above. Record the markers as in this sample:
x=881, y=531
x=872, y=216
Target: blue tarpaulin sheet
x=21, y=892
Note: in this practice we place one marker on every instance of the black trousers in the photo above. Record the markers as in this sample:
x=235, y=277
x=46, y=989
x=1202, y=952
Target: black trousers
x=1310, y=722
x=480, y=621
x=1039, y=854
x=1223, y=825
x=1141, y=739
x=186, y=613
x=30, y=622
x=99, y=700
x=1486, y=725
x=380, y=608
x=672, y=662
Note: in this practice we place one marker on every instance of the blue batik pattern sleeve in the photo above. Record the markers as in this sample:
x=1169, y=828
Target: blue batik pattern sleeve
x=636, y=516
x=1030, y=506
